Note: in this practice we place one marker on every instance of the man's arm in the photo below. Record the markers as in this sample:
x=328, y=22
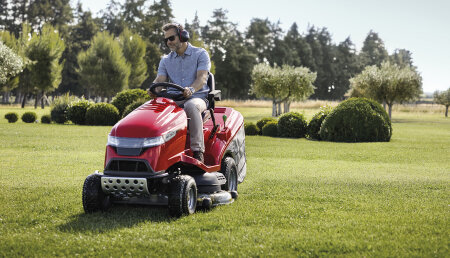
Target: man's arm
x=202, y=76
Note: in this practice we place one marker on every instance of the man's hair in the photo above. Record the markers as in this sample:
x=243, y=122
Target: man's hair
x=172, y=25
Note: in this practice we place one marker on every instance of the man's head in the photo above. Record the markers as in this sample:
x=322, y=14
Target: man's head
x=175, y=36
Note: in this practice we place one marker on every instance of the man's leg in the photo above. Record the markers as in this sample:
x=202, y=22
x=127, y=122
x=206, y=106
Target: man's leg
x=194, y=108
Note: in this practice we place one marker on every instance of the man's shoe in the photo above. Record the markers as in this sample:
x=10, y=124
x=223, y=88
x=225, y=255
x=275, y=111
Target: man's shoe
x=199, y=156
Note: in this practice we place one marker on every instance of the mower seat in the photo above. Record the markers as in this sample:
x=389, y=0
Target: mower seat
x=213, y=95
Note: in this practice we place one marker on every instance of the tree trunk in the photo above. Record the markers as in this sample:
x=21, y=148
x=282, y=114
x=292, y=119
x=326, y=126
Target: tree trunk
x=446, y=111
x=274, y=108
x=36, y=100
x=384, y=105
x=287, y=106
x=5, y=99
x=24, y=100
x=279, y=109
x=390, y=111
x=42, y=99
x=19, y=96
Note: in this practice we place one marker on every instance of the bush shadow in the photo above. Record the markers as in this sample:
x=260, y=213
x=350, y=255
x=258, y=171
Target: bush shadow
x=117, y=217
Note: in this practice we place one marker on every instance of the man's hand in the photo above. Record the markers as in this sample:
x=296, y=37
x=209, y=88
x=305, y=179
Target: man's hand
x=188, y=91
x=153, y=96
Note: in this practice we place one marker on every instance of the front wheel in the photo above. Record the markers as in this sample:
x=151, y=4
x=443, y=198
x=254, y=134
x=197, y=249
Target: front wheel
x=182, y=196
x=93, y=197
x=229, y=170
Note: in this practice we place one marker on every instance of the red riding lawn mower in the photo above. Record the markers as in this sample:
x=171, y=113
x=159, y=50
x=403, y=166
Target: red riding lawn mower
x=148, y=159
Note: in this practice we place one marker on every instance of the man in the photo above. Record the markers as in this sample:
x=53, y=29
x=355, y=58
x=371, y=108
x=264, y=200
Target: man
x=187, y=66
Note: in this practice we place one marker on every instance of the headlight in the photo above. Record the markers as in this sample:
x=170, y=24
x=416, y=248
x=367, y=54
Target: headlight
x=125, y=142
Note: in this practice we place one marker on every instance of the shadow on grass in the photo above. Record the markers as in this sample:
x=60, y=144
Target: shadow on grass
x=118, y=216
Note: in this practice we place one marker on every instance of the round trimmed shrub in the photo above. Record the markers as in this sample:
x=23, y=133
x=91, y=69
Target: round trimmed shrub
x=313, y=128
x=264, y=121
x=270, y=129
x=130, y=108
x=12, y=117
x=29, y=117
x=251, y=129
x=59, y=108
x=76, y=112
x=46, y=119
x=357, y=120
x=102, y=114
x=292, y=125
x=126, y=97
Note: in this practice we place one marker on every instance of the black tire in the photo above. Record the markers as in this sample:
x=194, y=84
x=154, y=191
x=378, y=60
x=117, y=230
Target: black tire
x=93, y=197
x=182, y=196
x=229, y=170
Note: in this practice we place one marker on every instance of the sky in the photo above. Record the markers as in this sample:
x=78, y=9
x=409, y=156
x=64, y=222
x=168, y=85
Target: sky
x=420, y=26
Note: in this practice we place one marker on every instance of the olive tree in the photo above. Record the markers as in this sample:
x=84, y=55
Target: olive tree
x=388, y=84
x=10, y=63
x=282, y=84
x=103, y=69
x=443, y=98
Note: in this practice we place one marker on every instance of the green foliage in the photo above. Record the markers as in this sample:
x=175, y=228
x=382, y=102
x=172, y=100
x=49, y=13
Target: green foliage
x=11, y=64
x=46, y=119
x=373, y=51
x=130, y=108
x=45, y=50
x=251, y=129
x=443, y=98
x=314, y=125
x=263, y=121
x=29, y=117
x=292, y=125
x=282, y=84
x=133, y=48
x=103, y=68
x=76, y=111
x=126, y=97
x=357, y=120
x=58, y=110
x=12, y=117
x=102, y=114
x=388, y=83
x=270, y=129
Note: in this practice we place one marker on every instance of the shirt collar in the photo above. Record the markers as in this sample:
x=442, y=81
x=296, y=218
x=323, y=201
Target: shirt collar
x=187, y=52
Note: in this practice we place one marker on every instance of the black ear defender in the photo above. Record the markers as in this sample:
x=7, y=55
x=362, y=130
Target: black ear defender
x=183, y=34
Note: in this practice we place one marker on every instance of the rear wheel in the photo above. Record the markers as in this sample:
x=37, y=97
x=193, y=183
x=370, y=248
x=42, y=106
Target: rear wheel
x=182, y=196
x=93, y=197
x=229, y=170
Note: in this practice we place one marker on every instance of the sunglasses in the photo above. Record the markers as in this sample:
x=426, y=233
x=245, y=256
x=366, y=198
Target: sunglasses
x=171, y=38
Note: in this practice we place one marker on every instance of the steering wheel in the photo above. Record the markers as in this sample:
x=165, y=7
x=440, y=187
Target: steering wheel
x=164, y=93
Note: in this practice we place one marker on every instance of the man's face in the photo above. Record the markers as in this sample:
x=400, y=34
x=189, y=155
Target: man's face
x=174, y=44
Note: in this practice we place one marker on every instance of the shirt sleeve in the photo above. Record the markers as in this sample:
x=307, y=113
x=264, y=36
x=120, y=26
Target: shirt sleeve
x=162, y=67
x=204, y=64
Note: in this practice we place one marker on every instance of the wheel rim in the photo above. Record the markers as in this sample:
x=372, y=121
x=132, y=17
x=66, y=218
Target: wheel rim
x=191, y=199
x=233, y=181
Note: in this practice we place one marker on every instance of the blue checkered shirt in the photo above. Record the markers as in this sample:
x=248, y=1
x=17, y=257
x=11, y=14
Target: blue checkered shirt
x=182, y=70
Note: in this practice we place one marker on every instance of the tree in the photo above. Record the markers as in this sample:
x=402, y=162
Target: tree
x=346, y=66
x=388, y=84
x=58, y=13
x=282, y=84
x=234, y=71
x=45, y=50
x=373, y=51
x=10, y=63
x=133, y=48
x=11, y=42
x=79, y=39
x=402, y=58
x=103, y=68
x=158, y=14
x=443, y=98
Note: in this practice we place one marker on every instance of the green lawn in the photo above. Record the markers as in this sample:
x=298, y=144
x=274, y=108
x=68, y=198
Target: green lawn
x=300, y=197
